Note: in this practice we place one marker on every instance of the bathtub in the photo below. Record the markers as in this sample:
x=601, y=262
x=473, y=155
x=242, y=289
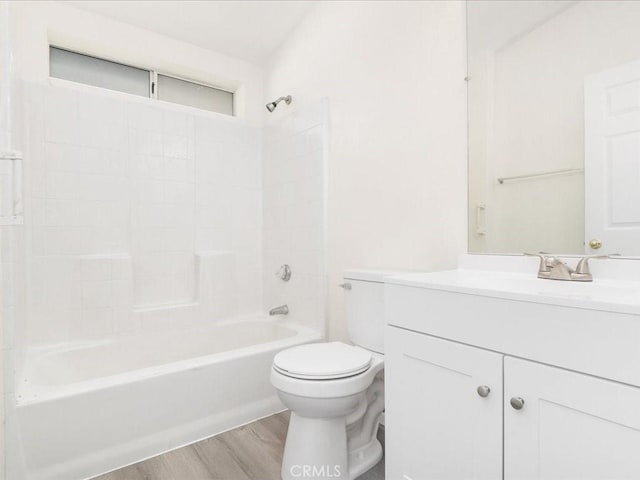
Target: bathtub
x=88, y=408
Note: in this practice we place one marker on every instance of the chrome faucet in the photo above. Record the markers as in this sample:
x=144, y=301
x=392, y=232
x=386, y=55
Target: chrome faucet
x=552, y=268
x=281, y=310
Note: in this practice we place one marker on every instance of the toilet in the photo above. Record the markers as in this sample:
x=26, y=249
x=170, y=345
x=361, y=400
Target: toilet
x=335, y=391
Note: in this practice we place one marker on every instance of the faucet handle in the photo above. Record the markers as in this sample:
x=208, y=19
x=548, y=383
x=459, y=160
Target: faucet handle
x=583, y=265
x=543, y=268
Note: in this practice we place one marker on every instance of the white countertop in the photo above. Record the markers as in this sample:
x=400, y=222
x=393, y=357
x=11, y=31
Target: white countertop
x=506, y=279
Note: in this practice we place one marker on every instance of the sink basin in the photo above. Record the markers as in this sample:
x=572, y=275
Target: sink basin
x=610, y=295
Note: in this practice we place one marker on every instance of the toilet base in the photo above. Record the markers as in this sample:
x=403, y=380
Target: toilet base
x=316, y=449
x=364, y=459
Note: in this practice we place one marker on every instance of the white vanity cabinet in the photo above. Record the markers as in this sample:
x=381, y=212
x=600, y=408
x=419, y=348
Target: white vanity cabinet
x=561, y=362
x=443, y=409
x=447, y=416
x=572, y=426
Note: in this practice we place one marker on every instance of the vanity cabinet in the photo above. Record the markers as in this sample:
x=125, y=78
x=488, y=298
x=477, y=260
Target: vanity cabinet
x=438, y=424
x=448, y=417
x=572, y=426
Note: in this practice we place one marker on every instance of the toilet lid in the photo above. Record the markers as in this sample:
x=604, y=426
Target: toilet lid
x=322, y=361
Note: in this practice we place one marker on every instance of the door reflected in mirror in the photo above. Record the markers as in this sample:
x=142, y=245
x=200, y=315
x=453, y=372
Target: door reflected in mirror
x=554, y=126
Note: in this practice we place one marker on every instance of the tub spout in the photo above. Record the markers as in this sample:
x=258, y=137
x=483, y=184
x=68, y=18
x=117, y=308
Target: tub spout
x=281, y=310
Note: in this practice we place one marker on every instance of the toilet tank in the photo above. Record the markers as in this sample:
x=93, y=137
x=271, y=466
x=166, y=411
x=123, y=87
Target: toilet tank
x=365, y=307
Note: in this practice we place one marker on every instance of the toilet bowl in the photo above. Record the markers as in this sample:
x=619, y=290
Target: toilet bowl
x=335, y=391
x=334, y=416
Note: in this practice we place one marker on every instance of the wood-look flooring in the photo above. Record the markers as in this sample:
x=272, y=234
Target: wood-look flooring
x=250, y=452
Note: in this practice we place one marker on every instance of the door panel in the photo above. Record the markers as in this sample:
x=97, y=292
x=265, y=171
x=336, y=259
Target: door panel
x=437, y=425
x=572, y=426
x=612, y=159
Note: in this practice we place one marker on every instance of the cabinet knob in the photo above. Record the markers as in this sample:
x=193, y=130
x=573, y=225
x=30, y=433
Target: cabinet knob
x=483, y=391
x=346, y=286
x=517, y=403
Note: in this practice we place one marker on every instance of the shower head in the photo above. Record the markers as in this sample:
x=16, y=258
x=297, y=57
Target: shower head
x=272, y=106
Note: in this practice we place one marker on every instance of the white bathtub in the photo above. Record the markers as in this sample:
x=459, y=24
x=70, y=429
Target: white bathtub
x=88, y=408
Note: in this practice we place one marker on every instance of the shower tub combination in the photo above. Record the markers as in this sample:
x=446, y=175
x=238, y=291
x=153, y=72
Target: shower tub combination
x=83, y=408
x=91, y=407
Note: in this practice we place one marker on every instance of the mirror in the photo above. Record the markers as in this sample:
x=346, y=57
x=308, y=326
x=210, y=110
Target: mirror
x=554, y=126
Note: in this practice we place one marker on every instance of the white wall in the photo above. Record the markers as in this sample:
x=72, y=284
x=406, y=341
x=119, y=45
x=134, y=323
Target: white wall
x=38, y=23
x=393, y=73
x=531, y=95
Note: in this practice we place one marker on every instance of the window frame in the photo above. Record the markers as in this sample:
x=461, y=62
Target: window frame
x=154, y=90
x=153, y=81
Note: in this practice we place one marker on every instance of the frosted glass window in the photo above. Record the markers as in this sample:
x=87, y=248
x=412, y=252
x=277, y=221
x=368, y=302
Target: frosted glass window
x=174, y=90
x=98, y=72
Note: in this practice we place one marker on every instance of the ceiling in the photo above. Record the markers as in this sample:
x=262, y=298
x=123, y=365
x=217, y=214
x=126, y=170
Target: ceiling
x=249, y=30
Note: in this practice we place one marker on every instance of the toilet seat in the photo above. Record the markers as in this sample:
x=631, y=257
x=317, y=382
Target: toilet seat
x=322, y=361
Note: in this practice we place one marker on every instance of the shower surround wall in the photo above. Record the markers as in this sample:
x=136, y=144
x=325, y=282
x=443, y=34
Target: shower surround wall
x=141, y=215
x=294, y=218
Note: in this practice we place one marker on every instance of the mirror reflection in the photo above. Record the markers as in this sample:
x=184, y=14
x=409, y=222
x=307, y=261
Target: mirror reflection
x=554, y=126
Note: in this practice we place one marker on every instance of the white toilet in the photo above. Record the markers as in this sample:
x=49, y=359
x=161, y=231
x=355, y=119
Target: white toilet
x=335, y=391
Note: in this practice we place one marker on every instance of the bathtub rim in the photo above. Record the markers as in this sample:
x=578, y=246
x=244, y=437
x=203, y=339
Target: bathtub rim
x=30, y=393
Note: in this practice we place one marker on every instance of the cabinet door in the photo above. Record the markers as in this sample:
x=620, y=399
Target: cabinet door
x=571, y=426
x=437, y=424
